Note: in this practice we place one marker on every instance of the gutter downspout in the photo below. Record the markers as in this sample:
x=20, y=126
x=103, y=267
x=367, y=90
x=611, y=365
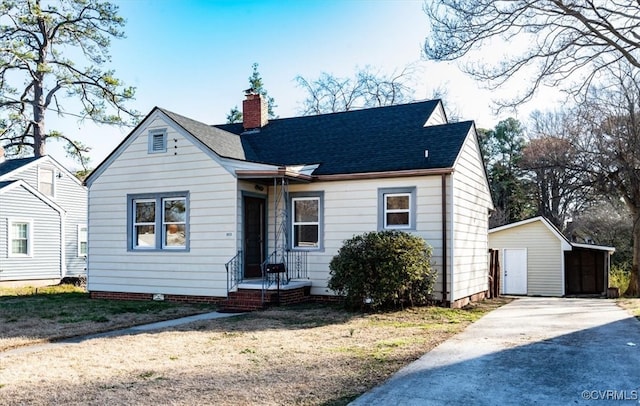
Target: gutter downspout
x=63, y=245
x=444, y=238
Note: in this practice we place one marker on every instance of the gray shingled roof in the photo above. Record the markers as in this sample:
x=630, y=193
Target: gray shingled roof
x=221, y=142
x=382, y=139
x=11, y=165
x=6, y=183
x=391, y=138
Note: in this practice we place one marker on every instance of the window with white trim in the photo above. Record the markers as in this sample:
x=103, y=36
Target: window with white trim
x=158, y=221
x=20, y=238
x=46, y=181
x=397, y=208
x=306, y=220
x=82, y=240
x=157, y=141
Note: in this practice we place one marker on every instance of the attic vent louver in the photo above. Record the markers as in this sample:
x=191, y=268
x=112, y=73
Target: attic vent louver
x=158, y=142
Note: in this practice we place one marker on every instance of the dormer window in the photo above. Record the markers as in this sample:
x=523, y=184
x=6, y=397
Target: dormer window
x=157, y=141
x=45, y=181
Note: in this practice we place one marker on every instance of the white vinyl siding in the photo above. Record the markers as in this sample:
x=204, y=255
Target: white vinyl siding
x=71, y=196
x=545, y=256
x=44, y=227
x=211, y=218
x=469, y=211
x=351, y=208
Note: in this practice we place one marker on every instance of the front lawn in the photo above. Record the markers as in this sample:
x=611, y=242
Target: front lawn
x=33, y=315
x=298, y=355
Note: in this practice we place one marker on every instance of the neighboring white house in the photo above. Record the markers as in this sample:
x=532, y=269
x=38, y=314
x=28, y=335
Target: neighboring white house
x=43, y=222
x=183, y=210
x=536, y=259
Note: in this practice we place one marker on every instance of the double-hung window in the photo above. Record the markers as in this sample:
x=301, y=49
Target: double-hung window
x=158, y=221
x=20, y=238
x=397, y=208
x=82, y=240
x=46, y=181
x=306, y=220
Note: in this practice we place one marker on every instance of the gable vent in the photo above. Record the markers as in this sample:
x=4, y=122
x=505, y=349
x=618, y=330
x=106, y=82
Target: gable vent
x=158, y=142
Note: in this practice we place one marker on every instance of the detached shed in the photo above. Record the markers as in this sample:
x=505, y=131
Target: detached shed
x=536, y=259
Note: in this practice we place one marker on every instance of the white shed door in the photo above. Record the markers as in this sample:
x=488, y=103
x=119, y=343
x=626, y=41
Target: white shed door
x=514, y=271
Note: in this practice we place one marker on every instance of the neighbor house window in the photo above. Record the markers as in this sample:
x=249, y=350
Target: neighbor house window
x=82, y=240
x=157, y=141
x=20, y=238
x=45, y=181
x=306, y=220
x=397, y=208
x=158, y=221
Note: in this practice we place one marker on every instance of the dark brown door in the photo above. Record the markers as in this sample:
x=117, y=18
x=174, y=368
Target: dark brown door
x=254, y=235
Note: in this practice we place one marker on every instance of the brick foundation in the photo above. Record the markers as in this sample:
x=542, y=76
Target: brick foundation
x=149, y=296
x=249, y=300
x=476, y=297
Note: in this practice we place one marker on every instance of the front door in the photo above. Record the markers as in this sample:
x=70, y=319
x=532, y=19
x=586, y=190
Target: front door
x=514, y=274
x=254, y=235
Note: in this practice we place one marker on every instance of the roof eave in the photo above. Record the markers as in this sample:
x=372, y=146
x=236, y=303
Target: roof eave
x=385, y=174
x=251, y=174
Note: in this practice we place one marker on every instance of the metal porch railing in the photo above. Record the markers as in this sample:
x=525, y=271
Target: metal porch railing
x=295, y=267
x=234, y=271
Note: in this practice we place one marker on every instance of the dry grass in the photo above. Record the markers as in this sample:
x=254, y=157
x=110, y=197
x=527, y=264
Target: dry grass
x=632, y=305
x=308, y=355
x=29, y=316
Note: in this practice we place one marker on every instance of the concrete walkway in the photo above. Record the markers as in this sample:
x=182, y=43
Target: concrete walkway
x=131, y=330
x=533, y=351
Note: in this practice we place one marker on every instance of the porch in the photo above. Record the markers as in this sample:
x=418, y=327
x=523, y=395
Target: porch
x=250, y=295
x=268, y=268
x=283, y=280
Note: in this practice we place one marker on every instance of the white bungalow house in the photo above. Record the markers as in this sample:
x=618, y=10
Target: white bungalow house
x=43, y=222
x=182, y=210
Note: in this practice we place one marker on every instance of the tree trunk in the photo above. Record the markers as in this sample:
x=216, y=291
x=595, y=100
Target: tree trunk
x=634, y=289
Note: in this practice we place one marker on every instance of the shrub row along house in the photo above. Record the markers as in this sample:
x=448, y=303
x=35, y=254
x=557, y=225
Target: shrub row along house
x=182, y=210
x=43, y=222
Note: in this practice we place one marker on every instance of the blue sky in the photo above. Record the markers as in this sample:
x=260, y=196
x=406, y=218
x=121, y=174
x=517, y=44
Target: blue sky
x=195, y=57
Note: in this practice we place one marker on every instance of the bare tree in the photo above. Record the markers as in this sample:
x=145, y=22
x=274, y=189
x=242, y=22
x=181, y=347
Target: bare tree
x=36, y=76
x=560, y=190
x=558, y=40
x=609, y=147
x=606, y=222
x=368, y=88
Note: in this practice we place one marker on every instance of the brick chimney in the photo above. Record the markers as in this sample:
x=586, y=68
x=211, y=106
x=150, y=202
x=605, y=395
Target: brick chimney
x=2, y=158
x=254, y=111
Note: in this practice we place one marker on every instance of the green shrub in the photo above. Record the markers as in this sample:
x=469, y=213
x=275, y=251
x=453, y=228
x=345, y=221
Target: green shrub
x=619, y=277
x=383, y=270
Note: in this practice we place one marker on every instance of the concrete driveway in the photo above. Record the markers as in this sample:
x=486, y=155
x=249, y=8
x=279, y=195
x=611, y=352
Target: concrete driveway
x=544, y=351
